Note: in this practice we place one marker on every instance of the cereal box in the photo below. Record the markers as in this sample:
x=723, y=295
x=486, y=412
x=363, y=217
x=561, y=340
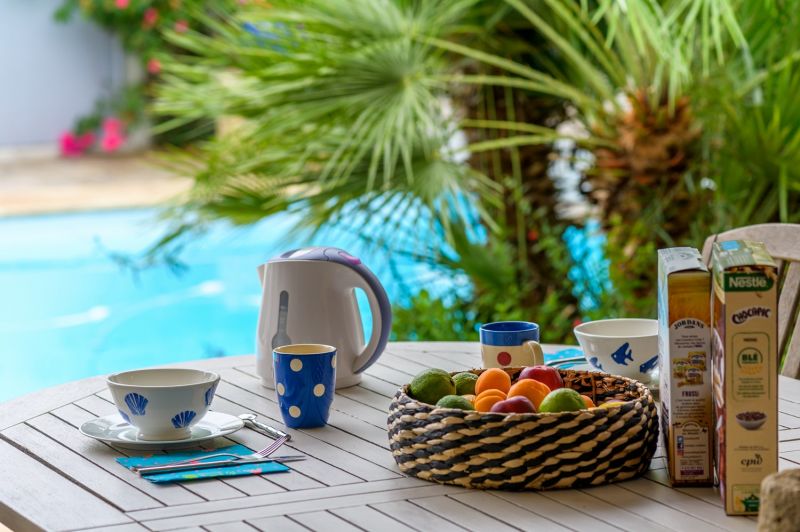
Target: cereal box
x=684, y=329
x=745, y=371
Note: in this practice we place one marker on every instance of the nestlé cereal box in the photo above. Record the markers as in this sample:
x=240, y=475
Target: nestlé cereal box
x=745, y=371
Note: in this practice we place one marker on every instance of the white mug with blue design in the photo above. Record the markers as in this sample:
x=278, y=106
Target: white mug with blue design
x=510, y=343
x=305, y=378
x=163, y=403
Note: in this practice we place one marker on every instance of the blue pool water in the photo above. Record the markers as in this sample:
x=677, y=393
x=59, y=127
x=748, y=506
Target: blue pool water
x=70, y=311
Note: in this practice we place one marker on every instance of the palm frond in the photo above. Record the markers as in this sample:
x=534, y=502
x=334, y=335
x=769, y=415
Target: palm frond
x=342, y=100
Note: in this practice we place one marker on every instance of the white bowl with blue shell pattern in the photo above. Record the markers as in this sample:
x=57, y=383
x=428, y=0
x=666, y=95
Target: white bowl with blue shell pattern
x=163, y=403
x=623, y=346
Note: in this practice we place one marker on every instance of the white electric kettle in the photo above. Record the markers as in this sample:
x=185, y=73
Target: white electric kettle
x=309, y=297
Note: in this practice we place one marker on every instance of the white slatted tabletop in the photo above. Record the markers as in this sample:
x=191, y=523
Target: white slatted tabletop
x=54, y=478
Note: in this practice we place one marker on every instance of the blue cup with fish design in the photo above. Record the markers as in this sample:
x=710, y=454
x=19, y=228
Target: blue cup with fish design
x=305, y=377
x=625, y=346
x=163, y=403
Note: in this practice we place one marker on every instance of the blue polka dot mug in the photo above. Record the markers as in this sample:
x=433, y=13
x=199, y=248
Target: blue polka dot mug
x=305, y=377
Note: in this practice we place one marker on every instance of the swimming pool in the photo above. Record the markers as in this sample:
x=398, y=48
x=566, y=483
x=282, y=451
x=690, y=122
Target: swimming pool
x=70, y=311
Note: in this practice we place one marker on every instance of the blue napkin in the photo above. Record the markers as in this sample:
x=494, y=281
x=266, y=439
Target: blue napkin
x=213, y=472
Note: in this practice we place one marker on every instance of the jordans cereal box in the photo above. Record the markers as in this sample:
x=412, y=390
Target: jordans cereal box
x=684, y=331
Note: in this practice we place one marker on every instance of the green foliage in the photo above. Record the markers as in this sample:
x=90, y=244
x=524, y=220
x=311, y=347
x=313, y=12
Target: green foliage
x=431, y=319
x=357, y=114
x=694, y=99
x=349, y=109
x=631, y=295
x=497, y=295
x=344, y=107
x=752, y=141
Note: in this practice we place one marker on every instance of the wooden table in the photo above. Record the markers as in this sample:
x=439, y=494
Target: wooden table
x=53, y=477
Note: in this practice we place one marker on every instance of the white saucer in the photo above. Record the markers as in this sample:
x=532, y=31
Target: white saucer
x=114, y=430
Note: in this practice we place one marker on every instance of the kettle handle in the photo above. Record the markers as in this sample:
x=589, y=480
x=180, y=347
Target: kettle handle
x=379, y=307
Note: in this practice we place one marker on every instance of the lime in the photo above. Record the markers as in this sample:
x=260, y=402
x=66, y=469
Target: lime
x=562, y=400
x=611, y=404
x=465, y=383
x=455, y=401
x=431, y=385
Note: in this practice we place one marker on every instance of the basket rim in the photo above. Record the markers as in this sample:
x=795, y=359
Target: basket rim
x=644, y=395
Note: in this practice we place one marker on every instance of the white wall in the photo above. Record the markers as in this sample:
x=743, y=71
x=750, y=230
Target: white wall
x=50, y=73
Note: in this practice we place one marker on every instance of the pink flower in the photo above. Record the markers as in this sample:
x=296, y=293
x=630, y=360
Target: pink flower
x=122, y=4
x=72, y=145
x=154, y=66
x=113, y=134
x=68, y=144
x=85, y=141
x=150, y=17
x=112, y=124
x=112, y=142
x=181, y=26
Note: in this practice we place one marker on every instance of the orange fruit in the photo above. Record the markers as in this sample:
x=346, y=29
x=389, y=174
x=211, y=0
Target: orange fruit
x=535, y=391
x=588, y=401
x=469, y=397
x=486, y=393
x=484, y=404
x=493, y=378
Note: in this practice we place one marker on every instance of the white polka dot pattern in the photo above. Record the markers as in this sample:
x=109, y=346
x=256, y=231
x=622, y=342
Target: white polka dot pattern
x=304, y=387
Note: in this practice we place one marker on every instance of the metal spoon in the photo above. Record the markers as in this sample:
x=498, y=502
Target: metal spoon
x=250, y=421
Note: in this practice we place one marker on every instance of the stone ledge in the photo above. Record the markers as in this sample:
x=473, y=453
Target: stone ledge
x=38, y=185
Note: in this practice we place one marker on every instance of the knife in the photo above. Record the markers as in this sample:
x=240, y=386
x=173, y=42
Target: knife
x=216, y=463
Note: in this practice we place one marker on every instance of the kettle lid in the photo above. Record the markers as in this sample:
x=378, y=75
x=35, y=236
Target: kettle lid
x=308, y=253
x=323, y=253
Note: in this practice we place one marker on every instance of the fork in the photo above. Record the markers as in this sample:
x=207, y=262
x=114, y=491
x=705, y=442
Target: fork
x=143, y=471
x=263, y=453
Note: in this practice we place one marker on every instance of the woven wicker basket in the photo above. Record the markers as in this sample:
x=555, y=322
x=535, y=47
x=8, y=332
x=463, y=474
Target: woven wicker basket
x=529, y=451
